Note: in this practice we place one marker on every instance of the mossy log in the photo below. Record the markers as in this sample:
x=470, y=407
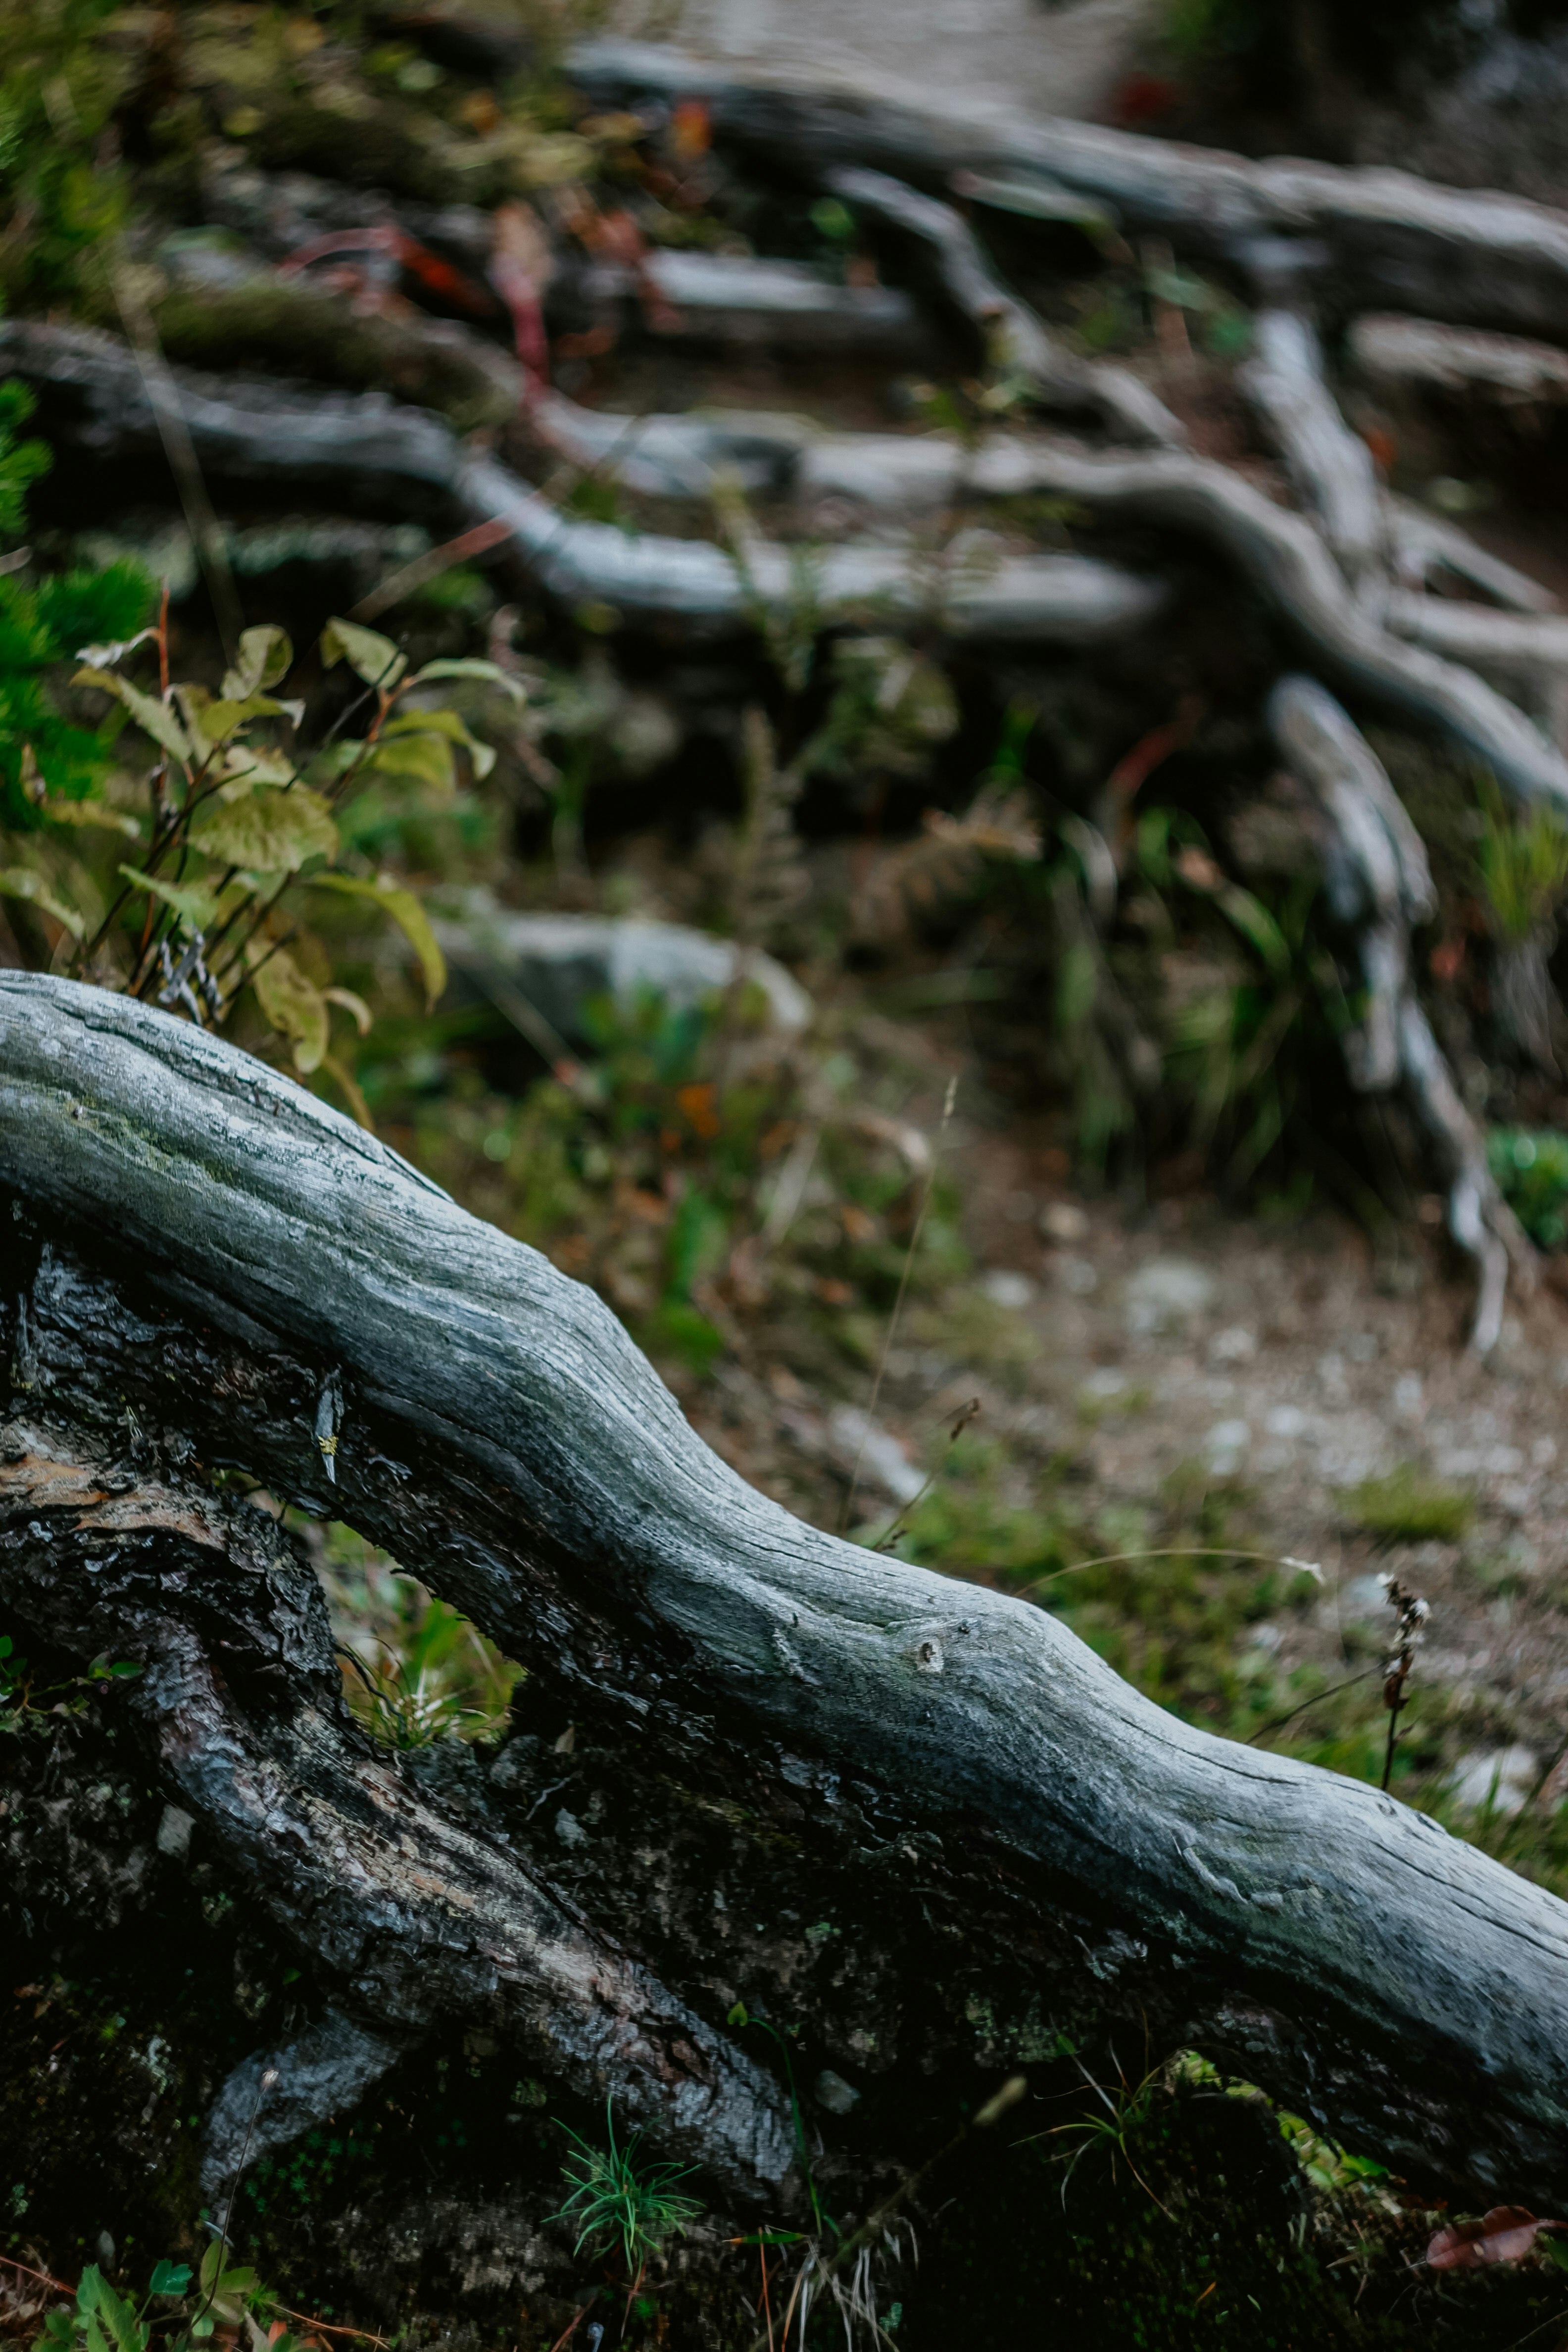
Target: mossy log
x=206, y=1271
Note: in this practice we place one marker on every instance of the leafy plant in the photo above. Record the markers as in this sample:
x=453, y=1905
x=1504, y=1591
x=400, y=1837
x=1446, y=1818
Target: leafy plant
x=62, y=191
x=1530, y=1170
x=234, y=828
x=101, y=2319
x=615, y=2202
x=1127, y=2110
x=21, y=1696
x=1523, y=865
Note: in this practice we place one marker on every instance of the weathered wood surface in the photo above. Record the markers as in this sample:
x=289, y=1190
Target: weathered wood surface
x=218, y=1256
x=1379, y=886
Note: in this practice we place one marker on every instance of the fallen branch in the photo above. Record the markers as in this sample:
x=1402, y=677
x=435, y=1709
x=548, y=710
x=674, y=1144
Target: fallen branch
x=203, y=1248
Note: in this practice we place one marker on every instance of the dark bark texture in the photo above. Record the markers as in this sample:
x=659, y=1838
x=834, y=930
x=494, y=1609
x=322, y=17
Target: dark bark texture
x=919, y=1819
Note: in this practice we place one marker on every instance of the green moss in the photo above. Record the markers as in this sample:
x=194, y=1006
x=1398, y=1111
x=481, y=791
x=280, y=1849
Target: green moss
x=294, y=330
x=1404, y=1507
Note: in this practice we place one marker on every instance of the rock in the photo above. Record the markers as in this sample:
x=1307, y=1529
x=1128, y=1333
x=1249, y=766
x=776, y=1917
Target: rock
x=1003, y=1287
x=558, y=962
x=1500, y=1779
x=861, y=1444
x=1063, y=1220
x=1285, y=1421
x=1226, y=1445
x=834, y=2092
x=1166, y=1292
x=175, y=1832
x=1233, y=1347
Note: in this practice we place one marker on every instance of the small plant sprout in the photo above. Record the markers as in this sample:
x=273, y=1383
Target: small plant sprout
x=1410, y=1615
x=1128, y=2109
x=615, y=2202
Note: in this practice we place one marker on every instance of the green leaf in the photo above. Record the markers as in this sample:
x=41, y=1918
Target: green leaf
x=89, y=812
x=107, y=656
x=21, y=882
x=491, y=672
x=296, y=1008
x=195, y=903
x=408, y=913
x=153, y=717
x=368, y=654
x=1257, y=926
x=442, y=722
x=268, y=832
x=217, y=721
x=169, y=2278
x=265, y=654
x=120, y=2322
x=426, y=758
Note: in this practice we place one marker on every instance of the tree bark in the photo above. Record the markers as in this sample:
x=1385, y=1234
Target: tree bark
x=206, y=1269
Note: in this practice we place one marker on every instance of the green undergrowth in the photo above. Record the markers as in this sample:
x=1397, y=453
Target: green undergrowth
x=415, y=1669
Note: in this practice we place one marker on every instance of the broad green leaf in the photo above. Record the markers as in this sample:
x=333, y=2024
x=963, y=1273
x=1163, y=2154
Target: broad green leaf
x=214, y=722
x=351, y=1003
x=1257, y=926
x=119, y=2321
x=409, y=724
x=153, y=717
x=195, y=903
x=246, y=765
x=295, y=1006
x=426, y=758
x=169, y=2278
x=106, y=656
x=90, y=812
x=265, y=654
x=409, y=916
x=491, y=673
x=21, y=882
x=271, y=832
x=367, y=653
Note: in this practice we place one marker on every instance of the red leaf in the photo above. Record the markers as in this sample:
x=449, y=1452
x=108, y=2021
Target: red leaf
x=1506, y=2234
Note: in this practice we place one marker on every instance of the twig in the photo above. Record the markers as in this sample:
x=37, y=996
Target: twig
x=164, y=398
x=849, y=1504
x=42, y=2276
x=1276, y=1722
x=425, y=568
x=965, y=1415
x=1172, y=1551
x=308, y=2319
x=1410, y=1615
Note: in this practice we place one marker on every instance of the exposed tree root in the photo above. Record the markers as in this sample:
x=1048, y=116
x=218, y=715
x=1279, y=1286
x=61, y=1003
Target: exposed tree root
x=411, y=1915
x=1378, y=886
x=498, y=1431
